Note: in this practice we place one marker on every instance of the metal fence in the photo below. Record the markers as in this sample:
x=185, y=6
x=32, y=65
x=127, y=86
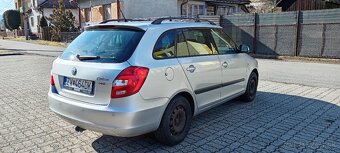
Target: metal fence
x=302, y=33
x=68, y=37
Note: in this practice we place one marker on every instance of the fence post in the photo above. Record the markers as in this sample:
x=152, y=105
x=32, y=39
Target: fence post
x=323, y=39
x=255, y=33
x=298, y=29
x=276, y=28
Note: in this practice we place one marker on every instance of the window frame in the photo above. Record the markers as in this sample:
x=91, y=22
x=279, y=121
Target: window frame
x=88, y=14
x=181, y=31
x=210, y=38
x=204, y=31
x=32, y=21
x=232, y=41
x=109, y=15
x=159, y=38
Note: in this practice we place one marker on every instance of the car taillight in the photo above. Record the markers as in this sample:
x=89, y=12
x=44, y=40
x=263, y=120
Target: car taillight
x=52, y=80
x=129, y=81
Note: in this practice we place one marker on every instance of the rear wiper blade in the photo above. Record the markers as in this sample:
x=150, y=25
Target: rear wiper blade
x=87, y=57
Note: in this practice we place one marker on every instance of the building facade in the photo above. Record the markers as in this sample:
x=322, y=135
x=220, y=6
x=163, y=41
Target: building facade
x=35, y=9
x=296, y=5
x=94, y=11
x=194, y=8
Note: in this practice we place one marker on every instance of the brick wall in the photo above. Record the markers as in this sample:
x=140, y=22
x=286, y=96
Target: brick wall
x=97, y=13
x=82, y=15
x=114, y=11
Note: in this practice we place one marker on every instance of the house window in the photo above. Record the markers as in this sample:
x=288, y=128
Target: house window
x=32, y=21
x=87, y=14
x=210, y=10
x=226, y=10
x=33, y=3
x=232, y=10
x=38, y=21
x=195, y=10
x=107, y=12
x=201, y=9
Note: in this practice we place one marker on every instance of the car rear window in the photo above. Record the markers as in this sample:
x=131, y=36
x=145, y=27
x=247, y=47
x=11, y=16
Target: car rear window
x=108, y=45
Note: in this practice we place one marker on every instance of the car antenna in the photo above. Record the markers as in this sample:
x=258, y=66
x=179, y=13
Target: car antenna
x=120, y=9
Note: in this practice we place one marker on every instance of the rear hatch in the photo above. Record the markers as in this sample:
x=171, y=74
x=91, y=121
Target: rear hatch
x=87, y=68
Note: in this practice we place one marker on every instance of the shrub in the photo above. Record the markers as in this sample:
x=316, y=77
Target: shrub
x=12, y=19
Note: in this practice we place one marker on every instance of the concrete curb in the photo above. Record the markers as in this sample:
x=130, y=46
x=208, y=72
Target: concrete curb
x=298, y=59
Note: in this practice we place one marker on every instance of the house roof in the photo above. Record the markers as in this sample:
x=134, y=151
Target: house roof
x=54, y=4
x=230, y=1
x=278, y=2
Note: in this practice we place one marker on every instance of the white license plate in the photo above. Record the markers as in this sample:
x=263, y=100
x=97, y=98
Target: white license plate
x=78, y=85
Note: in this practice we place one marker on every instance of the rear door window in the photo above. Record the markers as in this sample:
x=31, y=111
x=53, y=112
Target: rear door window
x=224, y=43
x=109, y=45
x=165, y=46
x=182, y=48
x=198, y=42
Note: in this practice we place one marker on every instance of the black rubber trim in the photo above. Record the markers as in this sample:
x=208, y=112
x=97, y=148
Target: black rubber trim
x=206, y=89
x=232, y=82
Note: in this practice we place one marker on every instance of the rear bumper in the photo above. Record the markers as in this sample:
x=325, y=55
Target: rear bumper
x=124, y=117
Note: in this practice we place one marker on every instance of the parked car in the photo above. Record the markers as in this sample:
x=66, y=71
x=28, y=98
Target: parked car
x=130, y=78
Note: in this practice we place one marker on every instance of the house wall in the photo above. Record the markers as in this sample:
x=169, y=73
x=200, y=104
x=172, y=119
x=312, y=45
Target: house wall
x=96, y=10
x=97, y=13
x=149, y=8
x=33, y=21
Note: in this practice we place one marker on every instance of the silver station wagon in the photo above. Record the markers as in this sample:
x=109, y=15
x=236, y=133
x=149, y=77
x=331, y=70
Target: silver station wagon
x=130, y=78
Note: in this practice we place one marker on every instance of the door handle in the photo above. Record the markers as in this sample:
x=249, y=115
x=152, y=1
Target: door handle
x=191, y=69
x=225, y=64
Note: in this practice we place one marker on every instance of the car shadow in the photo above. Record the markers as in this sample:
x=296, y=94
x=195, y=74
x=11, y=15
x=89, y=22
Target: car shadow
x=272, y=122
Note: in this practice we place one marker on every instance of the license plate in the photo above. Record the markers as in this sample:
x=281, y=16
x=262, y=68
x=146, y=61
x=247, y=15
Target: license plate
x=78, y=85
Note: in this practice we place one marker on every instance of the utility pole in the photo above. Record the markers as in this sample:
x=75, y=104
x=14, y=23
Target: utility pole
x=25, y=19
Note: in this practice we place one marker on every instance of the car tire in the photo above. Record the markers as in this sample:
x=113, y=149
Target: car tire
x=175, y=122
x=251, y=90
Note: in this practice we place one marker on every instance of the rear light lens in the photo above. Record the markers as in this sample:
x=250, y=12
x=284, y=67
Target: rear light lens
x=129, y=81
x=52, y=80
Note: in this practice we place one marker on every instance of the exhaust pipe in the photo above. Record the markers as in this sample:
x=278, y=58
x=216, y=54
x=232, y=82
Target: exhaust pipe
x=79, y=129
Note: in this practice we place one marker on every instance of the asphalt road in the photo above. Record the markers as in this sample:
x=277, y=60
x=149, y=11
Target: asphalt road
x=23, y=47
x=311, y=74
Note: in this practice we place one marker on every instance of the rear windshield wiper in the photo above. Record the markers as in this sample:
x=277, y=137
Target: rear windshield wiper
x=81, y=58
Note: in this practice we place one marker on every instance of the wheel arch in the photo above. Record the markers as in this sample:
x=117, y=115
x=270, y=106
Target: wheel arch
x=190, y=98
x=256, y=72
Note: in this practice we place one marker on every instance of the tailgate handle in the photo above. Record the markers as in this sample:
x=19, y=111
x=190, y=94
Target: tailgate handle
x=191, y=69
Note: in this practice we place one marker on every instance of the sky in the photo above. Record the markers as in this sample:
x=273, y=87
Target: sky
x=6, y=5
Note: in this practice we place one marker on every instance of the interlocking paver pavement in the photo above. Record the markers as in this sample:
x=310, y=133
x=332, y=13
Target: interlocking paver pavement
x=283, y=118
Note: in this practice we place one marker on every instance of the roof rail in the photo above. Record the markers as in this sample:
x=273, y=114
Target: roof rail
x=160, y=20
x=123, y=20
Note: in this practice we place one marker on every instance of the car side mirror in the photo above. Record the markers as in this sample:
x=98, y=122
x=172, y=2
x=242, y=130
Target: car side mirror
x=244, y=49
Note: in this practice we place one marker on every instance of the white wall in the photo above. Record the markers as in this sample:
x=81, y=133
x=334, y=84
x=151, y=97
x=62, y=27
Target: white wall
x=149, y=8
x=34, y=14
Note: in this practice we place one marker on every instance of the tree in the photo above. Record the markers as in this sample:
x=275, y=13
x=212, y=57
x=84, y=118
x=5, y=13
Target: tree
x=12, y=19
x=263, y=6
x=61, y=21
x=43, y=22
